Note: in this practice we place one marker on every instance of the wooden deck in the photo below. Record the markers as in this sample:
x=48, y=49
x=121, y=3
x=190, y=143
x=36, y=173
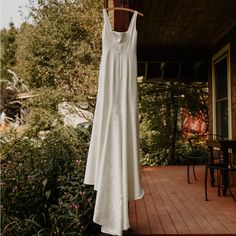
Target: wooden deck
x=172, y=206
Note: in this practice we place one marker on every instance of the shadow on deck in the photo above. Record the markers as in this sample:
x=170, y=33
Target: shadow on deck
x=172, y=206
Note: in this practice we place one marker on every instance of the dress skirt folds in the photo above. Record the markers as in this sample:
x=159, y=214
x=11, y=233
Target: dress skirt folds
x=113, y=158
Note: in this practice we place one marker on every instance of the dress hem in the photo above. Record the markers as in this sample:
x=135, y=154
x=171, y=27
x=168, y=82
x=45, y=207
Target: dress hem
x=129, y=199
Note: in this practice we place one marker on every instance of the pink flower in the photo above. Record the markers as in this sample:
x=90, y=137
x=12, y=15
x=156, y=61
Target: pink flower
x=75, y=206
x=78, y=161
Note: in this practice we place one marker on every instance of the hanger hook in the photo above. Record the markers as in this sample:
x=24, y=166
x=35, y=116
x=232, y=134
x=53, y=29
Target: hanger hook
x=122, y=3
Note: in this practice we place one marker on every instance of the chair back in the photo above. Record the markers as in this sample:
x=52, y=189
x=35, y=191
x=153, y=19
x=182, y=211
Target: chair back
x=215, y=154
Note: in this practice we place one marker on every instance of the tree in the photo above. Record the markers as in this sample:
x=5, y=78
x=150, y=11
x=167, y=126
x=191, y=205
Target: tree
x=8, y=90
x=8, y=50
x=160, y=106
x=62, y=48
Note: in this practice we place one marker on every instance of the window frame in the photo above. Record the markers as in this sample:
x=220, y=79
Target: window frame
x=221, y=54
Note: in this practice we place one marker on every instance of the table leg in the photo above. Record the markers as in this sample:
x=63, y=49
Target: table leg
x=225, y=173
x=212, y=177
x=188, y=170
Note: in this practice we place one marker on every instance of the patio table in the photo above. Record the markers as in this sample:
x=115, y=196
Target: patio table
x=224, y=145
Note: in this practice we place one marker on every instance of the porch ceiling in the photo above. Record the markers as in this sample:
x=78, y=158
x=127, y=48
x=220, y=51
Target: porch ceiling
x=182, y=29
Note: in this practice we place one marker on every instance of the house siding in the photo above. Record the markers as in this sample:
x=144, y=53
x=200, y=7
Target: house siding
x=233, y=85
x=229, y=38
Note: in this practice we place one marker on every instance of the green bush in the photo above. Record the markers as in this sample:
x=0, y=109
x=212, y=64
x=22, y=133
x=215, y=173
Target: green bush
x=160, y=109
x=183, y=149
x=152, y=156
x=159, y=157
x=42, y=184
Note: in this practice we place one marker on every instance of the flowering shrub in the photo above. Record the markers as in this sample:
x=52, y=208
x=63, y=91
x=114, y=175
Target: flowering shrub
x=42, y=184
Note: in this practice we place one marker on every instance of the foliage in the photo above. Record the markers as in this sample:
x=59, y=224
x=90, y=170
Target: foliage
x=8, y=95
x=8, y=92
x=10, y=103
x=184, y=149
x=42, y=184
x=8, y=50
x=160, y=105
x=63, y=46
x=43, y=168
x=43, y=108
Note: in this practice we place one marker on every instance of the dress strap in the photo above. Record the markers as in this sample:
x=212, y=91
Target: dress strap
x=133, y=21
x=106, y=20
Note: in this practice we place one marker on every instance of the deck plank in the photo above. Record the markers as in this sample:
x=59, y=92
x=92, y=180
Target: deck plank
x=213, y=225
x=153, y=217
x=133, y=216
x=162, y=208
x=172, y=206
x=142, y=218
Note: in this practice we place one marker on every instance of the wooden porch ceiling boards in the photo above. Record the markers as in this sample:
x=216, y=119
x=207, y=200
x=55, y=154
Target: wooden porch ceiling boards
x=177, y=31
x=172, y=206
x=171, y=26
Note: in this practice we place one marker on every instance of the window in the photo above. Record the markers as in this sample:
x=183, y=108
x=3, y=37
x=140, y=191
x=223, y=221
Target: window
x=221, y=93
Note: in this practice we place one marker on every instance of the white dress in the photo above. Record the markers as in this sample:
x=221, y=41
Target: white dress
x=113, y=158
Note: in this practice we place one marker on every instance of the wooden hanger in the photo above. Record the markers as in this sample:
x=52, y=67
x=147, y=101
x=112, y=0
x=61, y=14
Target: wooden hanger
x=122, y=8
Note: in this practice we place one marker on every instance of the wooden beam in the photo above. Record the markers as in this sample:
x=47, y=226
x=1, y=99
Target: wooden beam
x=121, y=18
x=170, y=71
x=173, y=54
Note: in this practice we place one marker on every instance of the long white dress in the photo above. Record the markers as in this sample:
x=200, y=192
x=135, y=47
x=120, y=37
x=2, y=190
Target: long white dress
x=113, y=158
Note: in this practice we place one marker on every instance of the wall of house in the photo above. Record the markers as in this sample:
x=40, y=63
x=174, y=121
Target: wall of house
x=233, y=93
x=229, y=38
x=233, y=84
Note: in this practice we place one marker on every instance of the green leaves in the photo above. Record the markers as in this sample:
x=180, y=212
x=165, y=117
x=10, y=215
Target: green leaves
x=58, y=58
x=47, y=193
x=63, y=47
x=8, y=50
x=160, y=105
x=42, y=184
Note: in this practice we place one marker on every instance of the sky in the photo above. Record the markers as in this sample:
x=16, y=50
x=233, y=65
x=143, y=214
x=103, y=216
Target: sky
x=10, y=12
